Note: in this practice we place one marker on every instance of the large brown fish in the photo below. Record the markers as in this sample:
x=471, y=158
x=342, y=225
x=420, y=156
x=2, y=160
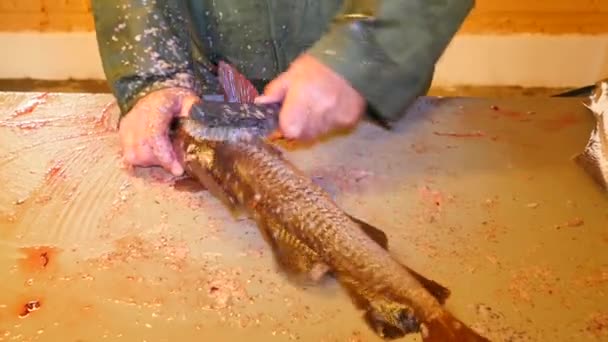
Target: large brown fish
x=311, y=236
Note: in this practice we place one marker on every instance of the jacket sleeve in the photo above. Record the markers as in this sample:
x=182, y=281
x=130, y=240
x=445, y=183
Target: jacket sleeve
x=144, y=46
x=391, y=60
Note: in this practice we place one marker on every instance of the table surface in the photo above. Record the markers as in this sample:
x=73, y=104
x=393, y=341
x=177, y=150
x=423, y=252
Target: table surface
x=481, y=195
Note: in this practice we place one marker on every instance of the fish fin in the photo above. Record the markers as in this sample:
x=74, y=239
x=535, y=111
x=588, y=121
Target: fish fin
x=188, y=184
x=440, y=292
x=298, y=269
x=271, y=148
x=359, y=300
x=237, y=88
x=388, y=319
x=374, y=233
x=391, y=320
x=197, y=171
x=300, y=263
x=275, y=149
x=447, y=328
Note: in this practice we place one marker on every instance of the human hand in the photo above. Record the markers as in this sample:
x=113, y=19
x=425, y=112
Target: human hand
x=316, y=100
x=144, y=131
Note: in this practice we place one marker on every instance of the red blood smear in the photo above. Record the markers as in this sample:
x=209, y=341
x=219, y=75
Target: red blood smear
x=26, y=125
x=30, y=125
x=237, y=88
x=26, y=307
x=461, y=135
x=37, y=259
x=561, y=122
x=432, y=196
x=104, y=122
x=7, y=217
x=30, y=105
x=188, y=185
x=54, y=171
x=509, y=114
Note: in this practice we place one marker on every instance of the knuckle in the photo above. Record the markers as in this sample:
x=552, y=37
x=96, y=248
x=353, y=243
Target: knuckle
x=327, y=102
x=291, y=132
x=130, y=156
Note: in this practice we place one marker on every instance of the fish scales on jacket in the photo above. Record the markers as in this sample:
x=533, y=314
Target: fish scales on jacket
x=312, y=237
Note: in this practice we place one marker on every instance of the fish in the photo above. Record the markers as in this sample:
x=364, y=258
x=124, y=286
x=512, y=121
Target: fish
x=594, y=158
x=312, y=238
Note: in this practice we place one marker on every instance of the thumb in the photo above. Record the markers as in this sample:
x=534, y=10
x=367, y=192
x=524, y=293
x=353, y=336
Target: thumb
x=275, y=91
x=293, y=117
x=186, y=105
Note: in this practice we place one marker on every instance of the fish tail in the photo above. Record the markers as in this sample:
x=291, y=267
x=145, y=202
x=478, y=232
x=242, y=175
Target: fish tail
x=446, y=328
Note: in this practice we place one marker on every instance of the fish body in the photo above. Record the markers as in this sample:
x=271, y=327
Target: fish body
x=311, y=236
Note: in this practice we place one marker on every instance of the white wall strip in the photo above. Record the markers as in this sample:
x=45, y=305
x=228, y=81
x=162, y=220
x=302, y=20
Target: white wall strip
x=486, y=60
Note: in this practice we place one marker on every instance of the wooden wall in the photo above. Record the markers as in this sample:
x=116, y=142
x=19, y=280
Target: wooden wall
x=45, y=15
x=489, y=16
x=538, y=16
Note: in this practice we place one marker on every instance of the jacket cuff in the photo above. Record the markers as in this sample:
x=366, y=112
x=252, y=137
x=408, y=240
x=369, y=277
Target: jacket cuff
x=389, y=86
x=142, y=88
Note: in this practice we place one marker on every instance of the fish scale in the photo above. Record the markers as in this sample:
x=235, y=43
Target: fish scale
x=350, y=250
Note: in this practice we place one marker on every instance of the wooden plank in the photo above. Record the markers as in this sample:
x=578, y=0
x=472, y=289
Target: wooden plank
x=545, y=6
x=479, y=194
x=488, y=17
x=554, y=23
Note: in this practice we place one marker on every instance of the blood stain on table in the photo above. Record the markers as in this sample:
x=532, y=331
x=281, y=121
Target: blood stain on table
x=560, y=122
x=37, y=259
x=30, y=105
x=29, y=307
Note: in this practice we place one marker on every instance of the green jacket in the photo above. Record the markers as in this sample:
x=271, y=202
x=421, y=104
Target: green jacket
x=148, y=45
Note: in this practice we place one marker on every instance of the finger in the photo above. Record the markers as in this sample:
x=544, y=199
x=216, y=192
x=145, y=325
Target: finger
x=165, y=155
x=144, y=155
x=187, y=104
x=179, y=150
x=127, y=142
x=324, y=123
x=294, y=114
x=312, y=130
x=155, y=135
x=346, y=111
x=275, y=91
x=158, y=135
x=139, y=151
x=160, y=143
x=314, y=126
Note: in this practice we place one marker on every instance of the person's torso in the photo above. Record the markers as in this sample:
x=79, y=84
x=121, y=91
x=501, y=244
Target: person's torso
x=259, y=37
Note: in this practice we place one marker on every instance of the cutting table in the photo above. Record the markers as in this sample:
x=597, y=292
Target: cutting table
x=480, y=195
